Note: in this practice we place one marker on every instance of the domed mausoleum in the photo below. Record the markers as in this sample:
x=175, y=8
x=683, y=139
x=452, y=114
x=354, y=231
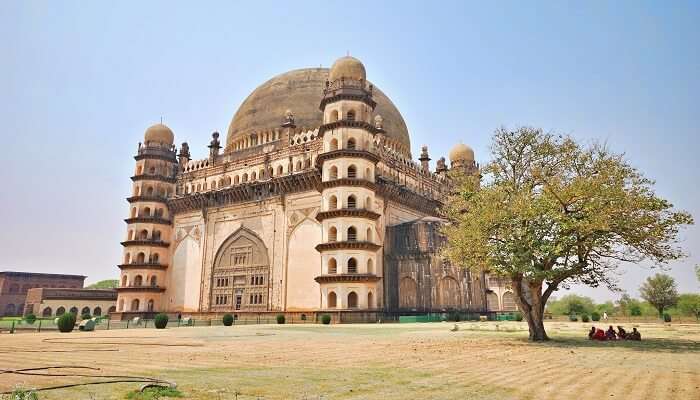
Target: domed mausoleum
x=312, y=205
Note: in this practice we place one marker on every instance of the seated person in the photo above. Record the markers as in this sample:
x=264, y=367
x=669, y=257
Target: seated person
x=610, y=334
x=621, y=333
x=599, y=334
x=634, y=335
x=591, y=333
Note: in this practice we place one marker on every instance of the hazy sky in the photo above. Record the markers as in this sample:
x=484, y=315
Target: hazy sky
x=81, y=81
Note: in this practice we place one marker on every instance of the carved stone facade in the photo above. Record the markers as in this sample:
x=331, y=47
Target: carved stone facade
x=295, y=214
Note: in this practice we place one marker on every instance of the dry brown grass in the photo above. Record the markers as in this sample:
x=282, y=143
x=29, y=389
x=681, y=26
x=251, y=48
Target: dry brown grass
x=399, y=361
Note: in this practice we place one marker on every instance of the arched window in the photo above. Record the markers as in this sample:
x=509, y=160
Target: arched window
x=280, y=170
x=60, y=311
x=245, y=178
x=352, y=234
x=127, y=258
x=112, y=309
x=154, y=258
x=334, y=115
x=350, y=116
x=332, y=300
x=332, y=266
x=97, y=312
x=124, y=280
x=156, y=235
x=351, y=144
x=236, y=180
x=149, y=191
x=140, y=258
x=368, y=174
x=46, y=312
x=298, y=165
x=154, y=281
x=370, y=266
x=333, y=203
x=150, y=305
x=133, y=212
x=213, y=185
x=138, y=280
x=135, y=305
x=368, y=236
x=146, y=212
x=370, y=300
x=332, y=234
x=74, y=310
x=352, y=300
x=352, y=266
x=333, y=173
x=143, y=235
x=85, y=311
x=352, y=172
x=352, y=202
x=368, y=203
x=334, y=144
x=253, y=176
x=227, y=181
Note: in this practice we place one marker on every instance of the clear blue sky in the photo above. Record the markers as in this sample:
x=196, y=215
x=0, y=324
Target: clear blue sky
x=80, y=82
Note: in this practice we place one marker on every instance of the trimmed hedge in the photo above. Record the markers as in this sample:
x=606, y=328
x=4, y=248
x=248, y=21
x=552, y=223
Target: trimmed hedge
x=325, y=319
x=584, y=318
x=280, y=319
x=30, y=318
x=595, y=316
x=66, y=322
x=228, y=320
x=518, y=316
x=161, y=321
x=573, y=318
x=667, y=317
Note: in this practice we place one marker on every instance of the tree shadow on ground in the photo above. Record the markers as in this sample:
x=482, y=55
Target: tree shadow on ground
x=651, y=344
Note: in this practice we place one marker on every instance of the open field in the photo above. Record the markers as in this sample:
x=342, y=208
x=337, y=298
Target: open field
x=390, y=361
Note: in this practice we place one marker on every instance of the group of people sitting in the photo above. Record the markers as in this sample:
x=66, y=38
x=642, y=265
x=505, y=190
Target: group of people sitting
x=610, y=334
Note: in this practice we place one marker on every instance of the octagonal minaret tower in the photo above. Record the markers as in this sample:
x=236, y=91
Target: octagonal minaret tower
x=149, y=225
x=349, y=248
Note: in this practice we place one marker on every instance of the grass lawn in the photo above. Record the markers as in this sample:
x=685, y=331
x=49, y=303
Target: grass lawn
x=490, y=360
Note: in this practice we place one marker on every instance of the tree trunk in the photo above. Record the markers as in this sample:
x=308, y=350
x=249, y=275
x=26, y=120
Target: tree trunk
x=532, y=307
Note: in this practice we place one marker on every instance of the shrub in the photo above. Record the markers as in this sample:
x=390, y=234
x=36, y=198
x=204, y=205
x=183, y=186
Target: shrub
x=303, y=317
x=518, y=316
x=667, y=317
x=30, y=318
x=85, y=316
x=573, y=318
x=66, y=322
x=280, y=318
x=584, y=318
x=228, y=320
x=595, y=316
x=326, y=319
x=161, y=321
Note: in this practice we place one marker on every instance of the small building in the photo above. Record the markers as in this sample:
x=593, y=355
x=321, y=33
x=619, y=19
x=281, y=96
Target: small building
x=15, y=285
x=53, y=302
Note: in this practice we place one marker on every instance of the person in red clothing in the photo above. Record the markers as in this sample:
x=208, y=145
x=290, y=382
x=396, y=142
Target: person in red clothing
x=599, y=334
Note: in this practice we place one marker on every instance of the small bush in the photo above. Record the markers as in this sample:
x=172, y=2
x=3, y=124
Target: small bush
x=303, y=317
x=573, y=318
x=161, y=321
x=66, y=322
x=518, y=316
x=153, y=393
x=30, y=318
x=667, y=317
x=22, y=394
x=584, y=318
x=325, y=319
x=228, y=320
x=280, y=319
x=85, y=316
x=595, y=316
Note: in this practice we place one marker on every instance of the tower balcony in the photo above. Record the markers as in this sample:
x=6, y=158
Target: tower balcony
x=346, y=153
x=348, y=245
x=160, y=153
x=143, y=288
x=154, y=199
x=148, y=220
x=347, y=212
x=153, y=177
x=356, y=182
x=343, y=278
x=144, y=265
x=145, y=242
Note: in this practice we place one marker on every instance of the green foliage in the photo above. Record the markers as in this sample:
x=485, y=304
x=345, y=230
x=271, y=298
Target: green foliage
x=105, y=284
x=85, y=316
x=303, y=317
x=689, y=304
x=518, y=316
x=584, y=318
x=66, y=322
x=667, y=317
x=595, y=316
x=30, y=318
x=153, y=393
x=325, y=319
x=660, y=291
x=607, y=307
x=573, y=318
x=280, y=318
x=636, y=310
x=23, y=394
x=228, y=320
x=161, y=321
x=571, y=304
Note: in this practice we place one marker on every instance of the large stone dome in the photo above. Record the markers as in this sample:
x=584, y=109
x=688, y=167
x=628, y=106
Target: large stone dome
x=301, y=91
